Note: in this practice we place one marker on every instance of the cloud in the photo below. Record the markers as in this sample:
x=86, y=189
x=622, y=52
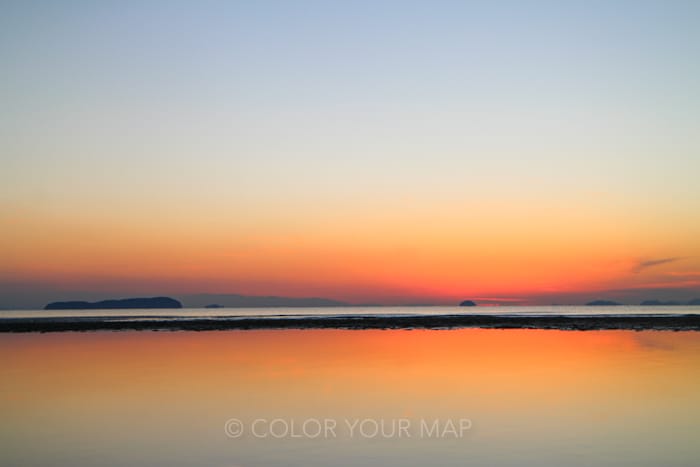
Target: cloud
x=642, y=265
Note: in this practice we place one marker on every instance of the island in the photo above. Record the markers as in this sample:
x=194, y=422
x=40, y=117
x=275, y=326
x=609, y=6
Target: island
x=213, y=305
x=125, y=303
x=603, y=303
x=467, y=303
x=256, y=301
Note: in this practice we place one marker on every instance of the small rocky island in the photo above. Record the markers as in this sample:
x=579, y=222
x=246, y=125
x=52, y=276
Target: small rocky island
x=125, y=303
x=468, y=303
x=603, y=303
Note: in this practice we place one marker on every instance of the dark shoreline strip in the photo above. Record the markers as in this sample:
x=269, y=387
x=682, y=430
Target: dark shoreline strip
x=581, y=323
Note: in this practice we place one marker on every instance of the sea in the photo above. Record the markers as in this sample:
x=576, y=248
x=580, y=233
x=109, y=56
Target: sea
x=209, y=313
x=333, y=397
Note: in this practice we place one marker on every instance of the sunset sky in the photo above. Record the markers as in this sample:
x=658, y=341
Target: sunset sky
x=382, y=152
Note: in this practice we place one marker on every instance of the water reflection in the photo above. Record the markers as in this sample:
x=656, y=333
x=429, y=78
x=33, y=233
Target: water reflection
x=532, y=397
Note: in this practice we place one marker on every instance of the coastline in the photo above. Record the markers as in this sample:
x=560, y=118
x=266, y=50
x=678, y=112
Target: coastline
x=681, y=322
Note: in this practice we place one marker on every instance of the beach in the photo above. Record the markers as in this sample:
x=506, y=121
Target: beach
x=681, y=322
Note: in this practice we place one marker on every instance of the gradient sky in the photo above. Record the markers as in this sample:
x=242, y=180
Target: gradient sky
x=383, y=152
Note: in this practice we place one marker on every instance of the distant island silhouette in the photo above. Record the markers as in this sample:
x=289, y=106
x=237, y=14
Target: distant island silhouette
x=125, y=303
x=251, y=301
x=256, y=301
x=603, y=303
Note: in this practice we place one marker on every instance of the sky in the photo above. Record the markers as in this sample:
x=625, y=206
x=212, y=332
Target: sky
x=370, y=151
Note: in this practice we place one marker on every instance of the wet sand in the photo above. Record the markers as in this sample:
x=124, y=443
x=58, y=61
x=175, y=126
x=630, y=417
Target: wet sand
x=687, y=322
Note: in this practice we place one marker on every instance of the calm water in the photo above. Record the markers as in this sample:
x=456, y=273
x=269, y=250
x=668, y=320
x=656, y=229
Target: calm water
x=530, y=397
x=335, y=311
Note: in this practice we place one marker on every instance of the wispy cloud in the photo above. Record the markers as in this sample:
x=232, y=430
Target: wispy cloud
x=642, y=265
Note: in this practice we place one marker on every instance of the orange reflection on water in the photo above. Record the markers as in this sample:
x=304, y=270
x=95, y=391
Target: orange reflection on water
x=522, y=387
x=391, y=364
